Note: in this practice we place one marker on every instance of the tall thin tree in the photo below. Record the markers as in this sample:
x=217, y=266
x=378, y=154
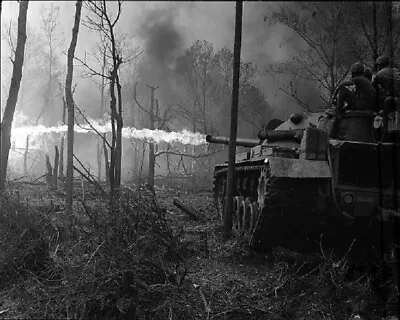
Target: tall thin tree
x=6, y=123
x=70, y=106
x=151, y=145
x=234, y=118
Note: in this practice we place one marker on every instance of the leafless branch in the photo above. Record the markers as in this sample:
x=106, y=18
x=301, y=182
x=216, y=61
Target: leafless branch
x=93, y=72
x=136, y=100
x=93, y=128
x=295, y=97
x=87, y=177
x=10, y=39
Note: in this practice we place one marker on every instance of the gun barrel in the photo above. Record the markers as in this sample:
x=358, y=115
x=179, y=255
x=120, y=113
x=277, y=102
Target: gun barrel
x=239, y=142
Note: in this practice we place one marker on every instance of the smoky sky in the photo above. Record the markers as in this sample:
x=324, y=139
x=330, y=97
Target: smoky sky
x=162, y=40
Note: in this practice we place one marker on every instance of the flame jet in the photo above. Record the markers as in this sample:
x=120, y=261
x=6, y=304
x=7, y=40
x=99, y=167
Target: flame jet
x=19, y=134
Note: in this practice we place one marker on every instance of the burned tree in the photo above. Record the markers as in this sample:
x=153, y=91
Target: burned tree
x=70, y=106
x=151, y=145
x=152, y=124
x=8, y=117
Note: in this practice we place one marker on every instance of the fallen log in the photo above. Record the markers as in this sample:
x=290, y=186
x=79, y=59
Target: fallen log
x=191, y=212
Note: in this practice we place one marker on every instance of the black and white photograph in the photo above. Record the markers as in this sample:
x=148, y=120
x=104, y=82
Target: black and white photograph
x=213, y=160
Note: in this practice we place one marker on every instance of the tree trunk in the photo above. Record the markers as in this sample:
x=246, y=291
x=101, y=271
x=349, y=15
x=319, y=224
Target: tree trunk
x=118, y=147
x=141, y=166
x=62, y=142
x=99, y=159
x=113, y=103
x=70, y=104
x=193, y=160
x=100, y=141
x=106, y=161
x=49, y=171
x=150, y=179
x=234, y=118
x=118, y=154
x=55, y=169
x=26, y=156
x=115, y=165
x=135, y=167
x=8, y=116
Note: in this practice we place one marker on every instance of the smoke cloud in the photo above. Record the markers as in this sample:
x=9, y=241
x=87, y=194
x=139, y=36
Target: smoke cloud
x=163, y=41
x=167, y=30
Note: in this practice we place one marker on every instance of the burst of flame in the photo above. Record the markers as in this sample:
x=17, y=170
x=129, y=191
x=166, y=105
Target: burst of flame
x=20, y=132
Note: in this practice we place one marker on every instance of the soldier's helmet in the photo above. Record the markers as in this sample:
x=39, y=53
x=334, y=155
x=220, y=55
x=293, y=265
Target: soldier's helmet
x=357, y=68
x=383, y=60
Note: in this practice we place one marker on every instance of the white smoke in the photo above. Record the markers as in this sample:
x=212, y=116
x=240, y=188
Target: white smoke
x=19, y=134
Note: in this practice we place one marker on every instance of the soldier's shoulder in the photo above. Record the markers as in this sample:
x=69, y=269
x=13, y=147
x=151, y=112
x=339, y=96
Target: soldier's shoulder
x=362, y=80
x=388, y=72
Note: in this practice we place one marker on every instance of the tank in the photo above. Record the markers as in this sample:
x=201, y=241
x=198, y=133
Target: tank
x=316, y=182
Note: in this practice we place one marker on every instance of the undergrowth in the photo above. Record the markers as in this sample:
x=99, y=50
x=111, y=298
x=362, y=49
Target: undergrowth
x=126, y=263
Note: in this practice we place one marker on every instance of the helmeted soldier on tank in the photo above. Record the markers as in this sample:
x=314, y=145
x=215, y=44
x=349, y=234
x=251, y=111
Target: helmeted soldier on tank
x=387, y=85
x=363, y=98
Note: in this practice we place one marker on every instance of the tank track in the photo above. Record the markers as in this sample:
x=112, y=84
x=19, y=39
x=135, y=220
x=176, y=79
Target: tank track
x=270, y=212
x=265, y=208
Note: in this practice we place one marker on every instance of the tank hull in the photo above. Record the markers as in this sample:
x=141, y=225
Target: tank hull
x=300, y=211
x=308, y=190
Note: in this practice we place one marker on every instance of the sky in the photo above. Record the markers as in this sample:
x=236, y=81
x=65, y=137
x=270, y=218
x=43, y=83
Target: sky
x=212, y=21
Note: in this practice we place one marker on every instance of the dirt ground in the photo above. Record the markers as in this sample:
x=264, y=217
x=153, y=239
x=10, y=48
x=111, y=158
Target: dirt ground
x=218, y=280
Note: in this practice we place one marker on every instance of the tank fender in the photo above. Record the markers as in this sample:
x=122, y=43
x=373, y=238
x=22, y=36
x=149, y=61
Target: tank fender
x=298, y=168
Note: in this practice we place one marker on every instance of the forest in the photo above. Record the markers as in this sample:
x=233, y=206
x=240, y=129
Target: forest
x=105, y=108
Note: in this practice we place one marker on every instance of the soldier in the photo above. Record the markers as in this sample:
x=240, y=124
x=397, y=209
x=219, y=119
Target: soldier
x=387, y=85
x=364, y=97
x=368, y=74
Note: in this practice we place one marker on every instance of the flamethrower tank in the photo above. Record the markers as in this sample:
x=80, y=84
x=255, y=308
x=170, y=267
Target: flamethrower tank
x=316, y=181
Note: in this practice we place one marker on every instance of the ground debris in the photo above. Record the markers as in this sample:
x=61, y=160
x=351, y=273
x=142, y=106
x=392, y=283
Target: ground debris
x=188, y=210
x=142, y=258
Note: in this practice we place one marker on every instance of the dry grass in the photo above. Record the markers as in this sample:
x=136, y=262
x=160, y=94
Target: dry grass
x=144, y=258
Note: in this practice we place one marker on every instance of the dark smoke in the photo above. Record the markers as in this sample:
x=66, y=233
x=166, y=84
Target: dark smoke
x=162, y=39
x=163, y=43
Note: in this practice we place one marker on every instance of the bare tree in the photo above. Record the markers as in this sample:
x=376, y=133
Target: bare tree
x=161, y=120
x=71, y=118
x=333, y=38
x=31, y=73
x=324, y=57
x=54, y=39
x=373, y=22
x=102, y=21
x=207, y=79
x=196, y=67
x=8, y=116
